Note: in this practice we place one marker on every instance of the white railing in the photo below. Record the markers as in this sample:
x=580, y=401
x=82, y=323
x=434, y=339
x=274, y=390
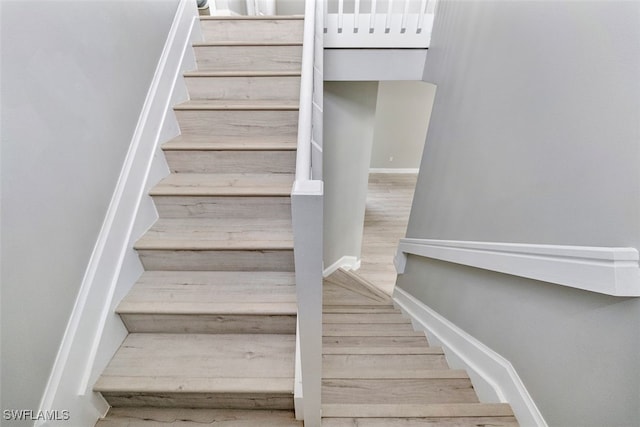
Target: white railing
x=306, y=209
x=378, y=23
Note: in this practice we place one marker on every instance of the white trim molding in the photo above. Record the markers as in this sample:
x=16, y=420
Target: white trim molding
x=606, y=270
x=93, y=329
x=346, y=262
x=493, y=376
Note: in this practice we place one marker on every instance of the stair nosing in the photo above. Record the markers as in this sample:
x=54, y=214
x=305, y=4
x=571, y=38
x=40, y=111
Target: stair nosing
x=253, y=18
x=248, y=43
x=242, y=74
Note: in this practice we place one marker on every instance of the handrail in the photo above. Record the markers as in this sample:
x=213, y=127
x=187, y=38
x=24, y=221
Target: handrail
x=307, y=219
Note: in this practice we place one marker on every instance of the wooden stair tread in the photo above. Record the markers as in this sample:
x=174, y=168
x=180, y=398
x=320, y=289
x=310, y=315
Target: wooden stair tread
x=247, y=73
x=370, y=318
x=185, y=417
x=378, y=345
x=417, y=410
x=237, y=105
x=379, y=366
x=346, y=288
x=507, y=421
x=186, y=144
x=217, y=233
x=200, y=184
x=246, y=43
x=401, y=391
x=212, y=292
x=252, y=18
x=369, y=330
x=201, y=363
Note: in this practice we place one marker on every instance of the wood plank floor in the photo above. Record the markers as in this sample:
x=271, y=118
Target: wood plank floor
x=385, y=222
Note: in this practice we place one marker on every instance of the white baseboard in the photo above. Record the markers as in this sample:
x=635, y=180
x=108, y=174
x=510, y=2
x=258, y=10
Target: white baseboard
x=392, y=170
x=346, y=262
x=93, y=328
x=493, y=376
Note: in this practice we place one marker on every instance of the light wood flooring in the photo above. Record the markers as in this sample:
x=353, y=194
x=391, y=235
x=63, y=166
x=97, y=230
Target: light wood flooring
x=389, y=201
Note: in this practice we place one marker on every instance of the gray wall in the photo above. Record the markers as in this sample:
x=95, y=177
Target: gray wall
x=534, y=138
x=74, y=79
x=403, y=110
x=349, y=113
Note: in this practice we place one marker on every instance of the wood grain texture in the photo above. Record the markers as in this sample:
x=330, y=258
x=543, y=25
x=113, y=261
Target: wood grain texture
x=263, y=30
x=372, y=318
x=176, y=417
x=371, y=366
x=377, y=345
x=421, y=422
x=405, y=391
x=211, y=323
x=263, y=400
x=369, y=330
x=239, y=123
x=203, y=260
x=278, y=207
x=213, y=142
x=231, y=161
x=217, y=234
x=248, y=58
x=201, y=363
x=243, y=87
x=415, y=410
x=236, y=184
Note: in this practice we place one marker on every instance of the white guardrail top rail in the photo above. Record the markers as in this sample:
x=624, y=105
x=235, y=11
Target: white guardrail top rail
x=378, y=23
x=307, y=219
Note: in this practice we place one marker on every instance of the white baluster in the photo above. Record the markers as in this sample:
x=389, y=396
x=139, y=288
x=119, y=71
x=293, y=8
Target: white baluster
x=340, y=15
x=387, y=26
x=372, y=16
x=405, y=14
x=421, y=13
x=356, y=16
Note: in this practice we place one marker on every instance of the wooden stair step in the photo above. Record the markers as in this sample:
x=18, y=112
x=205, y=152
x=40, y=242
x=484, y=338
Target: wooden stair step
x=265, y=207
x=247, y=43
x=446, y=410
x=222, y=260
x=377, y=366
x=249, y=121
x=192, y=234
x=238, y=57
x=347, y=288
x=237, y=105
x=245, y=73
x=369, y=330
x=264, y=29
x=507, y=421
x=405, y=391
x=371, y=318
x=378, y=345
x=260, y=143
x=227, y=161
x=211, y=302
x=201, y=371
x=184, y=417
x=231, y=184
x=363, y=309
x=271, y=86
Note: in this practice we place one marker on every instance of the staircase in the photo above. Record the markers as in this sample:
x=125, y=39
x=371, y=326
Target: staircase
x=379, y=372
x=212, y=320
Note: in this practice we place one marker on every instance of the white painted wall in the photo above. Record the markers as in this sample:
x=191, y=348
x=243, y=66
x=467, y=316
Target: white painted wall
x=534, y=138
x=403, y=110
x=349, y=114
x=74, y=78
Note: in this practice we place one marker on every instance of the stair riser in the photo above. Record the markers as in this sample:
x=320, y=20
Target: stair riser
x=248, y=58
x=223, y=207
x=254, y=88
x=238, y=260
x=201, y=400
x=225, y=123
x=250, y=30
x=210, y=324
x=231, y=161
